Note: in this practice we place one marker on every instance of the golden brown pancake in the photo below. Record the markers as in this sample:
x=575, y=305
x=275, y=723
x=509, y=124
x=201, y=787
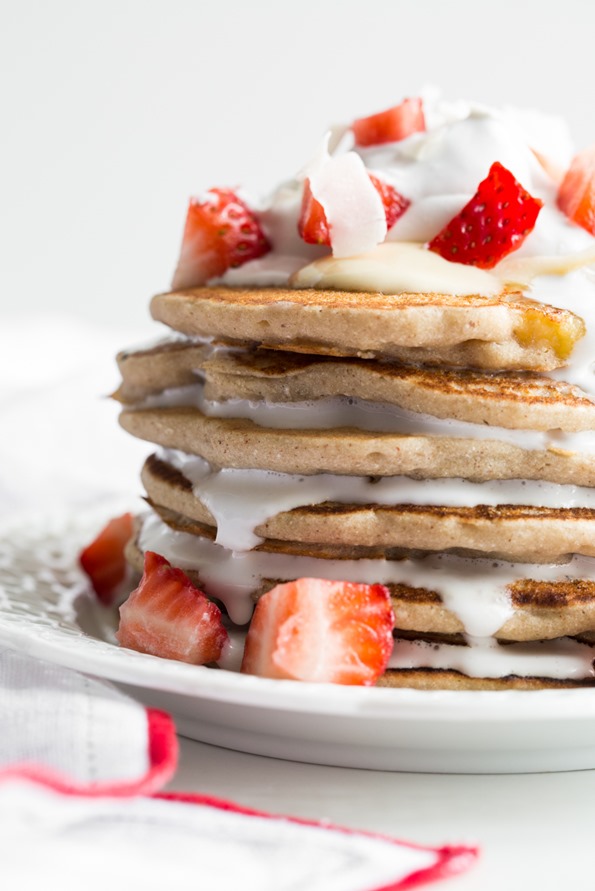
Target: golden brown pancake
x=228, y=442
x=441, y=679
x=504, y=332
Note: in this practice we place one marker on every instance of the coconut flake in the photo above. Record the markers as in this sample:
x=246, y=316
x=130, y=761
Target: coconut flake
x=353, y=208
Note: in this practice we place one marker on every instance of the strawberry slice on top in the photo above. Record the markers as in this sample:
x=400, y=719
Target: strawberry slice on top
x=103, y=560
x=321, y=631
x=168, y=616
x=493, y=223
x=221, y=233
x=391, y=125
x=313, y=225
x=576, y=195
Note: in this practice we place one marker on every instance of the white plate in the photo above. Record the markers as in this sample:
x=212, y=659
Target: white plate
x=46, y=610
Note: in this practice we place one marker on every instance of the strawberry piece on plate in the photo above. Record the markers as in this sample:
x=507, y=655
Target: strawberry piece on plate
x=493, y=223
x=322, y=631
x=576, y=195
x=313, y=225
x=221, y=232
x=391, y=125
x=103, y=560
x=168, y=616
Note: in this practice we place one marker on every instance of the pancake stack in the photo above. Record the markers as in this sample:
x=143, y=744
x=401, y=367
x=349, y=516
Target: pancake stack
x=414, y=440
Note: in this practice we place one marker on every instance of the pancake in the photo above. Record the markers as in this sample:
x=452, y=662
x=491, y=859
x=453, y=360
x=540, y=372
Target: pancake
x=170, y=363
x=506, y=332
x=513, y=400
x=508, y=532
x=443, y=679
x=238, y=443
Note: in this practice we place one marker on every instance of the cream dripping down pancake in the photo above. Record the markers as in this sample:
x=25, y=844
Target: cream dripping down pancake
x=388, y=402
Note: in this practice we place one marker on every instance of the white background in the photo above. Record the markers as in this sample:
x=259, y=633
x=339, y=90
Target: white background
x=113, y=112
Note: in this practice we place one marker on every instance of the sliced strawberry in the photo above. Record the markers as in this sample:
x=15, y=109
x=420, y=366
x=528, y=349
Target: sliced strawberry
x=495, y=222
x=220, y=233
x=322, y=631
x=576, y=195
x=313, y=225
x=103, y=560
x=391, y=125
x=168, y=616
x=395, y=204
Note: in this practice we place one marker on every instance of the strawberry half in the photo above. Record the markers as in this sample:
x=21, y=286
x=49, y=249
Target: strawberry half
x=313, y=225
x=495, y=222
x=220, y=233
x=391, y=125
x=576, y=195
x=321, y=631
x=103, y=560
x=168, y=616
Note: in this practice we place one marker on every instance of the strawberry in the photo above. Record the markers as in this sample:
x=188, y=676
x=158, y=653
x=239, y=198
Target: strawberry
x=493, y=223
x=322, y=631
x=221, y=232
x=313, y=226
x=168, y=616
x=395, y=204
x=391, y=125
x=576, y=195
x=103, y=560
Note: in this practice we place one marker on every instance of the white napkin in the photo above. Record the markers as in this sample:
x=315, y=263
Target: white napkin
x=75, y=756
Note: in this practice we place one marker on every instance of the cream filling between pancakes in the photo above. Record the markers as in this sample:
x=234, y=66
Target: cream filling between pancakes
x=240, y=500
x=335, y=412
x=561, y=659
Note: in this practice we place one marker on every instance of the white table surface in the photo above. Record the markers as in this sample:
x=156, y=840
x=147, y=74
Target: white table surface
x=535, y=831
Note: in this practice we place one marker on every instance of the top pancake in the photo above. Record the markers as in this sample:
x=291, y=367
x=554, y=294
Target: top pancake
x=503, y=332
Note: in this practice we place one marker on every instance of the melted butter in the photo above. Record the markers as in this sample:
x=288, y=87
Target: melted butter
x=397, y=268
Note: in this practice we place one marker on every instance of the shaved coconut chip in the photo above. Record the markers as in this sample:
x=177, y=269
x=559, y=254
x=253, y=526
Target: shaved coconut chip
x=352, y=205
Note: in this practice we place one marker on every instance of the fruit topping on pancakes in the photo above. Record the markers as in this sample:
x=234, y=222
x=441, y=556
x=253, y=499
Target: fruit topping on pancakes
x=391, y=125
x=221, y=233
x=495, y=222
